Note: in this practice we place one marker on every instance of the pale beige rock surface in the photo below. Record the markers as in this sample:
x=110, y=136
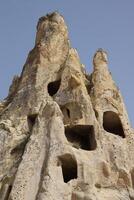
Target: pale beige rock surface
x=64, y=134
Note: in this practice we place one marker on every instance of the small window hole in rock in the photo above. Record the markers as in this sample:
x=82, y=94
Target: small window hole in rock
x=69, y=167
x=53, y=87
x=112, y=123
x=81, y=137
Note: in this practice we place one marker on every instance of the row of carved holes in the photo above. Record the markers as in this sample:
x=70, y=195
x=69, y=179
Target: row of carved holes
x=82, y=136
x=68, y=164
x=111, y=121
x=79, y=136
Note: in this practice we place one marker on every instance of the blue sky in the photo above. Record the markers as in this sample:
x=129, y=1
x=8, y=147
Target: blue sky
x=92, y=24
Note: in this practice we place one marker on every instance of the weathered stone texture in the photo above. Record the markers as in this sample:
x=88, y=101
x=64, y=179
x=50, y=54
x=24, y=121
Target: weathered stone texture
x=64, y=134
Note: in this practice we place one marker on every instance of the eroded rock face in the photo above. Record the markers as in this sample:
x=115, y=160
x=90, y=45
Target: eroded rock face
x=64, y=134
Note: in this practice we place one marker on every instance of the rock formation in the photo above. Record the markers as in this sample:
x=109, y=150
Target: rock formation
x=64, y=134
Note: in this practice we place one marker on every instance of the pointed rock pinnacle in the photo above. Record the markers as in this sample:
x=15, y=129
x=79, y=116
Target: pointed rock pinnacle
x=64, y=134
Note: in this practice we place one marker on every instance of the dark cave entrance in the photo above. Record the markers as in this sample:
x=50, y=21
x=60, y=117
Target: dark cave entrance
x=69, y=167
x=53, y=87
x=112, y=123
x=81, y=136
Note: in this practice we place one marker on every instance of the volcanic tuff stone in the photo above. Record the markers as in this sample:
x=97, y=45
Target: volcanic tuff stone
x=64, y=134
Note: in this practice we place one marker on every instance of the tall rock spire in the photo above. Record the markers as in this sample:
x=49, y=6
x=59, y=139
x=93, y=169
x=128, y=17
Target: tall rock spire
x=64, y=134
x=106, y=98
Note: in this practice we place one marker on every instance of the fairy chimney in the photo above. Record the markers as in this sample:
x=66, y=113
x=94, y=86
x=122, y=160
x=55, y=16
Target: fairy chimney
x=64, y=134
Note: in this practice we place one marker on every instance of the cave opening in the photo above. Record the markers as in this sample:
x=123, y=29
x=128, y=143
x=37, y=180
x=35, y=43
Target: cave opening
x=112, y=123
x=81, y=136
x=69, y=167
x=53, y=87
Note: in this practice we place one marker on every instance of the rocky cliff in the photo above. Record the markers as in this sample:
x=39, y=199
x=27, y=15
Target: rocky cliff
x=64, y=134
